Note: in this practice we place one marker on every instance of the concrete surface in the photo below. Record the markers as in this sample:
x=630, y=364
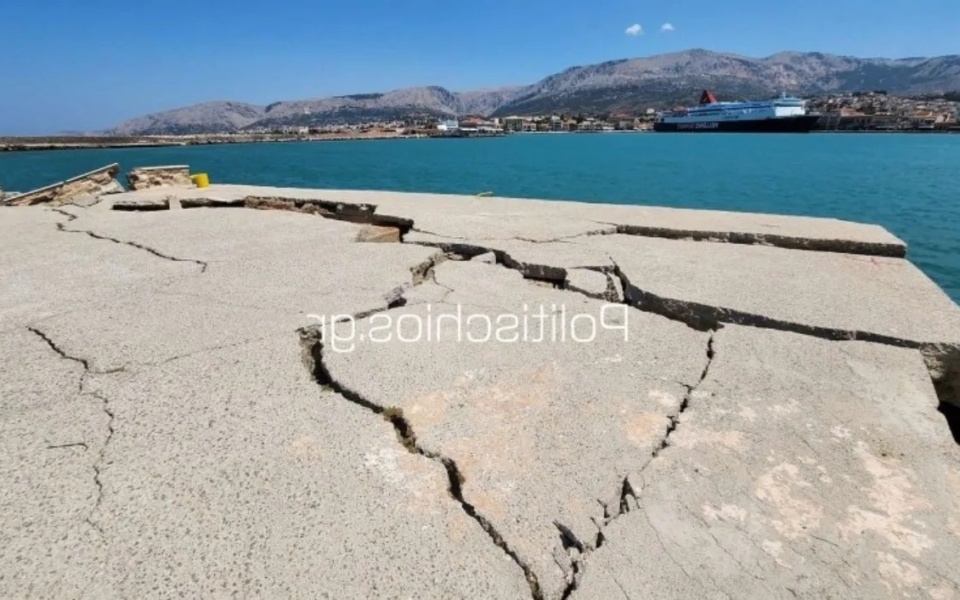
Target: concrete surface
x=802, y=468
x=255, y=482
x=535, y=447
x=179, y=416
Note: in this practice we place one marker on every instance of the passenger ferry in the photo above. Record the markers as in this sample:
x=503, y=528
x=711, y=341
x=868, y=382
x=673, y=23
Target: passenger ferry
x=783, y=115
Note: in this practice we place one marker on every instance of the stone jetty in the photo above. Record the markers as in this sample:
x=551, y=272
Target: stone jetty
x=269, y=392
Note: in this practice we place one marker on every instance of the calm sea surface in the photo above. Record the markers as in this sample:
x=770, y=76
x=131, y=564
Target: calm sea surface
x=910, y=184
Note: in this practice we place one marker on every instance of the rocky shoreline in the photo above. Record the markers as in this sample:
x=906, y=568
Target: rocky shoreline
x=199, y=400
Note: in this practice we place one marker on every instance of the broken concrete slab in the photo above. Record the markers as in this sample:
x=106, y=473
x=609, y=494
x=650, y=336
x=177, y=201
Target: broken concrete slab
x=804, y=233
x=486, y=218
x=771, y=487
x=245, y=482
x=794, y=232
x=97, y=182
x=842, y=296
x=541, y=458
x=165, y=176
x=285, y=205
x=375, y=234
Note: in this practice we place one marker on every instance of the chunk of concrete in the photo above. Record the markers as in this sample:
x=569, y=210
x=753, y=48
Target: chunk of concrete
x=162, y=176
x=375, y=234
x=114, y=187
x=802, y=468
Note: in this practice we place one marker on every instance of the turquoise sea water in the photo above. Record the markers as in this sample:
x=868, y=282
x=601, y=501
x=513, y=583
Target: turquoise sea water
x=910, y=184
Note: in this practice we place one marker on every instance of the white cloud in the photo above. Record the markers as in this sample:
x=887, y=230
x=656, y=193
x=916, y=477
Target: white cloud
x=666, y=27
x=634, y=30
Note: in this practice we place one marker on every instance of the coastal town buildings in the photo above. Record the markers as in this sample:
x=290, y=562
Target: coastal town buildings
x=860, y=111
x=880, y=111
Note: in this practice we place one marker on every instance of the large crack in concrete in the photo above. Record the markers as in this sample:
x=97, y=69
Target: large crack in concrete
x=578, y=550
x=62, y=354
x=98, y=465
x=203, y=265
x=311, y=340
x=425, y=270
x=107, y=411
x=629, y=499
x=367, y=213
x=70, y=216
x=764, y=239
x=942, y=360
x=363, y=214
x=62, y=227
x=535, y=271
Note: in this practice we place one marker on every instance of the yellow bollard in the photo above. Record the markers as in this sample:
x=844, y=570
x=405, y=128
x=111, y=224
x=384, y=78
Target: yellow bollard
x=201, y=180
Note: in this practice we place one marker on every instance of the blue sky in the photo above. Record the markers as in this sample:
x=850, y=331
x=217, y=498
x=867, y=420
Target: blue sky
x=82, y=65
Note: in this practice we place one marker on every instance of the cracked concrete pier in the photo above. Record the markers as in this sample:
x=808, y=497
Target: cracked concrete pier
x=199, y=399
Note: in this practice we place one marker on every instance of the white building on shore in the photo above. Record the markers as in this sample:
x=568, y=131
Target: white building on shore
x=449, y=126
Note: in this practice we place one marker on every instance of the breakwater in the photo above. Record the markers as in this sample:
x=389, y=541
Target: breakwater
x=557, y=399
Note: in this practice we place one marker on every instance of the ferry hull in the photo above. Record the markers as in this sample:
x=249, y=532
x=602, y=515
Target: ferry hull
x=798, y=124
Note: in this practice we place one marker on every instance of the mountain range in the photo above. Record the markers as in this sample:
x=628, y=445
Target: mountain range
x=626, y=85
